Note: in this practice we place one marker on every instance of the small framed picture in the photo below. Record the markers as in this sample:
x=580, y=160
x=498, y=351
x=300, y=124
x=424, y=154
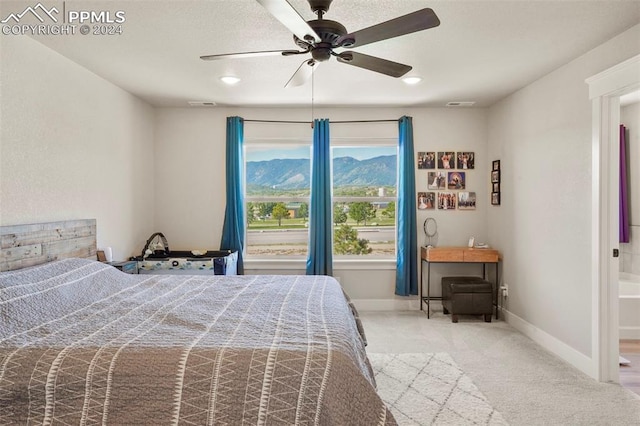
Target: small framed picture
x=465, y=160
x=495, y=165
x=437, y=180
x=426, y=160
x=495, y=198
x=447, y=200
x=466, y=200
x=496, y=187
x=456, y=180
x=495, y=176
x=426, y=200
x=446, y=160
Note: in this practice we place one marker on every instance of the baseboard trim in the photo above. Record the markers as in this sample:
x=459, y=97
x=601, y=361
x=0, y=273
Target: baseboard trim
x=404, y=304
x=632, y=333
x=550, y=343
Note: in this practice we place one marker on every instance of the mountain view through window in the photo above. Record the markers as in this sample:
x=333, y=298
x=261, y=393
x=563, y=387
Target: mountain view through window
x=277, y=191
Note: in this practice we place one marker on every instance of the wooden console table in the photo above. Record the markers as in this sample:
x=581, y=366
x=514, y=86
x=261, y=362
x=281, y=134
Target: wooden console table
x=456, y=255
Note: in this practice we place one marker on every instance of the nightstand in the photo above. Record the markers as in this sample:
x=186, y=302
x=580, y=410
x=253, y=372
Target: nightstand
x=126, y=266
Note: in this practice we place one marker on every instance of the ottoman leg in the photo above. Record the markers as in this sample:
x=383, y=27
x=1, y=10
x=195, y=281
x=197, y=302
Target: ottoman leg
x=487, y=318
x=445, y=310
x=454, y=318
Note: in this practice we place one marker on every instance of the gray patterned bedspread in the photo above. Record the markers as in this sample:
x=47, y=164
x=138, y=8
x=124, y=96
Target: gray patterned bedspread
x=83, y=343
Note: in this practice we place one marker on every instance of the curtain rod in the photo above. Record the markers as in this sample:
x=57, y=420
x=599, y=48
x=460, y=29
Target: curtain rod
x=332, y=122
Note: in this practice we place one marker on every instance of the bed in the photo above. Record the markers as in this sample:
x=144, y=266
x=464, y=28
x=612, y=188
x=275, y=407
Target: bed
x=81, y=342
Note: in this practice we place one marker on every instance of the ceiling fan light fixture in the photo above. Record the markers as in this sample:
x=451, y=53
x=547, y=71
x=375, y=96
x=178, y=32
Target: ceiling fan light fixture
x=412, y=80
x=230, y=80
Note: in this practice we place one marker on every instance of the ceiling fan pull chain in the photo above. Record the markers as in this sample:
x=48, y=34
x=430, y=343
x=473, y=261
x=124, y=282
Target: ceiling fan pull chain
x=313, y=85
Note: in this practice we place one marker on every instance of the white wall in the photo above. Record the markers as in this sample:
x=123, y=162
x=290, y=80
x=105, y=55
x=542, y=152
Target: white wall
x=542, y=135
x=73, y=146
x=190, y=176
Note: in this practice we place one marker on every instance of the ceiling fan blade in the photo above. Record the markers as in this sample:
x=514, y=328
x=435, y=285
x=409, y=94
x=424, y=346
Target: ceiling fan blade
x=383, y=66
x=303, y=73
x=251, y=54
x=290, y=18
x=417, y=21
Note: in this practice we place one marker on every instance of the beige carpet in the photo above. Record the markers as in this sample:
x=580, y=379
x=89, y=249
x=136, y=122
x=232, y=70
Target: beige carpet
x=430, y=389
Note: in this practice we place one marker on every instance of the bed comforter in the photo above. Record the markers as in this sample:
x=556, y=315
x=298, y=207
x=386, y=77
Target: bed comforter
x=83, y=343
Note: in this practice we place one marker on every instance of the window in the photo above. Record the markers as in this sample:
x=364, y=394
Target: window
x=277, y=189
x=364, y=199
x=277, y=195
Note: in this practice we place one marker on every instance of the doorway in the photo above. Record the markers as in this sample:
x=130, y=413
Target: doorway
x=605, y=90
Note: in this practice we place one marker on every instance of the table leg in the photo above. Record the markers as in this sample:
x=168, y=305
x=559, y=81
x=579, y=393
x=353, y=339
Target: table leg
x=428, y=289
x=497, y=290
x=420, y=285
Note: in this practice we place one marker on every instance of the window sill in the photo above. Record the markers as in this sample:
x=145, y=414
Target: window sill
x=338, y=265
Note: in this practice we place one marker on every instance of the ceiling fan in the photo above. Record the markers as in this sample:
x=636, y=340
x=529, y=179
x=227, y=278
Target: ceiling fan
x=321, y=36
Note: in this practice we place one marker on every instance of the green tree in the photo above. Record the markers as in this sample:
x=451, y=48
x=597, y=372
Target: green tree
x=265, y=209
x=303, y=211
x=361, y=211
x=346, y=241
x=280, y=212
x=390, y=210
x=339, y=216
x=251, y=213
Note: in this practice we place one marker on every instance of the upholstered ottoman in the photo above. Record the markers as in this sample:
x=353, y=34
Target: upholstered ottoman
x=467, y=296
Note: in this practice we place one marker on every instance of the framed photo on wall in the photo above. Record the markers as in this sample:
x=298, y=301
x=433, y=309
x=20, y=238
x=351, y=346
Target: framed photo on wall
x=447, y=200
x=446, y=160
x=456, y=180
x=495, y=198
x=465, y=160
x=495, y=165
x=495, y=176
x=466, y=200
x=426, y=160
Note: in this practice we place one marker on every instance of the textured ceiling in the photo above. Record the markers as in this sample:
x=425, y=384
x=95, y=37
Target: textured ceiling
x=482, y=51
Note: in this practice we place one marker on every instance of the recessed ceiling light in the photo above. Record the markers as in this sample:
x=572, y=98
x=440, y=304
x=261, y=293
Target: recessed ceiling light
x=412, y=80
x=230, y=80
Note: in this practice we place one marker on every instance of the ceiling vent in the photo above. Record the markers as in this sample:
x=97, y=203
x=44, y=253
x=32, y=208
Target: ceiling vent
x=460, y=104
x=202, y=103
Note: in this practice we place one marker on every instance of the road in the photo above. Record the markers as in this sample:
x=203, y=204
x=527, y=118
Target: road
x=373, y=234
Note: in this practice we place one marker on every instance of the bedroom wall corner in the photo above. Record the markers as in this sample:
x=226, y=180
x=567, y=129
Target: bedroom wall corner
x=73, y=146
x=542, y=135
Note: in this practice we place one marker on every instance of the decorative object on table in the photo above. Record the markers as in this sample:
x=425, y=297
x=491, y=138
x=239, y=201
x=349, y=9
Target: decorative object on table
x=466, y=200
x=465, y=160
x=495, y=183
x=430, y=227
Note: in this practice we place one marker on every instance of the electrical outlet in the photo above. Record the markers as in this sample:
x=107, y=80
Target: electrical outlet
x=505, y=290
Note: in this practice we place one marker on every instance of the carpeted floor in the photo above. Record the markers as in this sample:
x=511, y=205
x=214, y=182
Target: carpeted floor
x=526, y=384
x=430, y=389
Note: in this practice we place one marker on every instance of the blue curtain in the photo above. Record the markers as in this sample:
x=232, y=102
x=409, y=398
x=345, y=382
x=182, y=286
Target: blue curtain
x=233, y=229
x=320, y=257
x=407, y=262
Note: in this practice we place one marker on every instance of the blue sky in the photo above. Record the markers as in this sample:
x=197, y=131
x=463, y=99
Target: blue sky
x=262, y=154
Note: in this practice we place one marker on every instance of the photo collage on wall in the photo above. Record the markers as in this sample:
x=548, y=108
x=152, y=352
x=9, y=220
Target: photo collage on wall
x=446, y=180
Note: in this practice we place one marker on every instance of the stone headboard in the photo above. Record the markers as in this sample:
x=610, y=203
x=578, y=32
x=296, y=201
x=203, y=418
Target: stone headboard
x=34, y=244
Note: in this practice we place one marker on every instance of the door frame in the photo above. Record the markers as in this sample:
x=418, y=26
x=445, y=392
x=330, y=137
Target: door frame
x=605, y=89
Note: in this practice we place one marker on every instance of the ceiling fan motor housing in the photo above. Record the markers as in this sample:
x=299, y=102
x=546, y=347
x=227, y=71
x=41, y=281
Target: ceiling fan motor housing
x=329, y=33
